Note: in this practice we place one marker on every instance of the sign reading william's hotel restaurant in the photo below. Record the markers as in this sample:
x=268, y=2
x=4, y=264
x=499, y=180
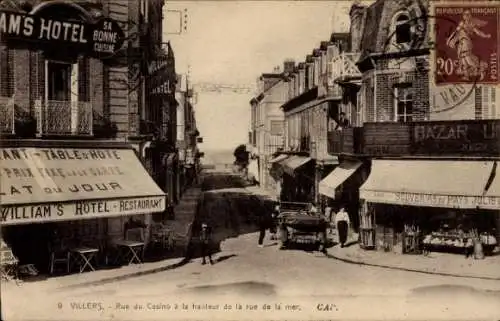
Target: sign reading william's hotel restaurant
x=102, y=39
x=51, y=184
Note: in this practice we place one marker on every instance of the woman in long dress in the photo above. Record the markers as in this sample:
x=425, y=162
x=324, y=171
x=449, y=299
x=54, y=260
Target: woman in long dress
x=469, y=64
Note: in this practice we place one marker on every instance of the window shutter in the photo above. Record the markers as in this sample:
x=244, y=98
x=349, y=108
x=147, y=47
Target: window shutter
x=83, y=79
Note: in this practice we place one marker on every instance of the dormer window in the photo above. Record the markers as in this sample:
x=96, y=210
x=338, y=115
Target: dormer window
x=403, y=29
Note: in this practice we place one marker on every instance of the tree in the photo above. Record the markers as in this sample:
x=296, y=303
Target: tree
x=241, y=156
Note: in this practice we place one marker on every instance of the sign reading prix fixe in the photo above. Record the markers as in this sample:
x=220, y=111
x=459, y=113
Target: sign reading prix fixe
x=431, y=200
x=102, y=39
x=49, y=184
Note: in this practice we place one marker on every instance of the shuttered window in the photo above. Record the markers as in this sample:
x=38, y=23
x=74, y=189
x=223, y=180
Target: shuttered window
x=276, y=127
x=6, y=72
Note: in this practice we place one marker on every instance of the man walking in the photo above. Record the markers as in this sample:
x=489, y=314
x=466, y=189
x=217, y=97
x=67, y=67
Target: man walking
x=262, y=222
x=206, y=243
x=342, y=221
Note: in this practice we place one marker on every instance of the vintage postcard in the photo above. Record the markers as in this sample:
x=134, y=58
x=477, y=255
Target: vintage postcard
x=249, y=160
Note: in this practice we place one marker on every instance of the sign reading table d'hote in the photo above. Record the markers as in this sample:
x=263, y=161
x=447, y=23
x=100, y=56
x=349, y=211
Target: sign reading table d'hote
x=101, y=40
x=51, y=184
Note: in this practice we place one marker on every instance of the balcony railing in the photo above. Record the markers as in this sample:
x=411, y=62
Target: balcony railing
x=7, y=115
x=343, y=65
x=346, y=141
x=64, y=117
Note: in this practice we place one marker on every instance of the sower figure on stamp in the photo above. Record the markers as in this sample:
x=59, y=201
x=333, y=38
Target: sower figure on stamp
x=206, y=243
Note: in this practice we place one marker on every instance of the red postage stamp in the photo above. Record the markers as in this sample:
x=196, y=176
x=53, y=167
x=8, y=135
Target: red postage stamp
x=467, y=43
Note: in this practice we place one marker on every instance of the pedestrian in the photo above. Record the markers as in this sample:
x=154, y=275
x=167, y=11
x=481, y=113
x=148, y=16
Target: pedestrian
x=328, y=217
x=342, y=221
x=262, y=222
x=274, y=222
x=206, y=243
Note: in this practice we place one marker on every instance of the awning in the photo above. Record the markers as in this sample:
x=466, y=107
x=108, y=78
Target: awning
x=278, y=159
x=450, y=184
x=55, y=184
x=293, y=163
x=338, y=176
x=492, y=195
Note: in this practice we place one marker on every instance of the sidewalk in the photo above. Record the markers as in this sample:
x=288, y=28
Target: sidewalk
x=435, y=263
x=184, y=214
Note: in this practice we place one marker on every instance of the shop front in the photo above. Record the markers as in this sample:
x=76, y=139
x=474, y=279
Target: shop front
x=419, y=206
x=66, y=196
x=297, y=179
x=341, y=187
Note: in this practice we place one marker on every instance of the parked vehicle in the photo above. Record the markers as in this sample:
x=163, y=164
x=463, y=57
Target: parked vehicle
x=298, y=224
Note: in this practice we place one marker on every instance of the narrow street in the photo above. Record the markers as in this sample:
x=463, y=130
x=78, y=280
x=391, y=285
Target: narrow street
x=303, y=284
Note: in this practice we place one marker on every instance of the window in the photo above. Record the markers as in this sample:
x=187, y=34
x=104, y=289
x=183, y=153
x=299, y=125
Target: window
x=59, y=81
x=276, y=127
x=403, y=29
x=6, y=72
x=403, y=104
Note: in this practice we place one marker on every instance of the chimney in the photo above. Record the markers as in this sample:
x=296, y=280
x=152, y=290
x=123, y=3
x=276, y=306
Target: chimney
x=288, y=66
x=356, y=15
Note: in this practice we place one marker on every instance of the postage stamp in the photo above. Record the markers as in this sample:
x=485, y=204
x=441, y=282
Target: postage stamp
x=467, y=42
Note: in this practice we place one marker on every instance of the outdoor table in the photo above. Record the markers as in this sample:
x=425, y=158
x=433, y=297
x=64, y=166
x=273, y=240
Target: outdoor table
x=8, y=265
x=84, y=255
x=132, y=249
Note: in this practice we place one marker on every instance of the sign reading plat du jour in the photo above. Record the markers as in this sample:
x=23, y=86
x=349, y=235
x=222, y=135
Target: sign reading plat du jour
x=47, y=184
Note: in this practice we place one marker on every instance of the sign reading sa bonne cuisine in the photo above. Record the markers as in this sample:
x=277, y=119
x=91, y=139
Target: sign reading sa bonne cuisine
x=102, y=39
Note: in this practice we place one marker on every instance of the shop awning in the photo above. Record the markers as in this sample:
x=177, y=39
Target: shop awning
x=54, y=184
x=338, y=176
x=492, y=195
x=278, y=159
x=293, y=163
x=449, y=184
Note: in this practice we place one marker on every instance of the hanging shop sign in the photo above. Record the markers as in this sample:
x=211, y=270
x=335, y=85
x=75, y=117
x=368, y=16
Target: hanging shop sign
x=162, y=89
x=431, y=200
x=101, y=40
x=48, y=184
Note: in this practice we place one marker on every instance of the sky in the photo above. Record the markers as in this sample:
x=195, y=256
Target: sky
x=234, y=42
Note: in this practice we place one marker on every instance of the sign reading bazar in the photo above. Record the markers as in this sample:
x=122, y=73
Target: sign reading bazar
x=464, y=137
x=100, y=40
x=39, y=185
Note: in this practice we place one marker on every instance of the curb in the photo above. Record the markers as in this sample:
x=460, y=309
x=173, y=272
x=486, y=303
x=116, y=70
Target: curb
x=183, y=262
x=331, y=256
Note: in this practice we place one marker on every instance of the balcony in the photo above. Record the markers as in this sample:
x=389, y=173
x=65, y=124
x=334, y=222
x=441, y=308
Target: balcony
x=7, y=113
x=64, y=118
x=343, y=67
x=346, y=141
x=473, y=138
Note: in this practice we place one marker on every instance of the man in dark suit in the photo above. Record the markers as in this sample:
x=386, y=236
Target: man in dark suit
x=206, y=243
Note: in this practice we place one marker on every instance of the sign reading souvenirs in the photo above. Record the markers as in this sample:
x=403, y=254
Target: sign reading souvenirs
x=432, y=200
x=100, y=40
x=461, y=137
x=38, y=184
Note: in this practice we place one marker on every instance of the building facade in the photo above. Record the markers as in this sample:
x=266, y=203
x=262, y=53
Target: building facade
x=83, y=120
x=267, y=127
x=412, y=191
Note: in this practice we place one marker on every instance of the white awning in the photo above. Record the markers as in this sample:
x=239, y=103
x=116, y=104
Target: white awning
x=338, y=176
x=56, y=184
x=291, y=164
x=278, y=158
x=434, y=183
